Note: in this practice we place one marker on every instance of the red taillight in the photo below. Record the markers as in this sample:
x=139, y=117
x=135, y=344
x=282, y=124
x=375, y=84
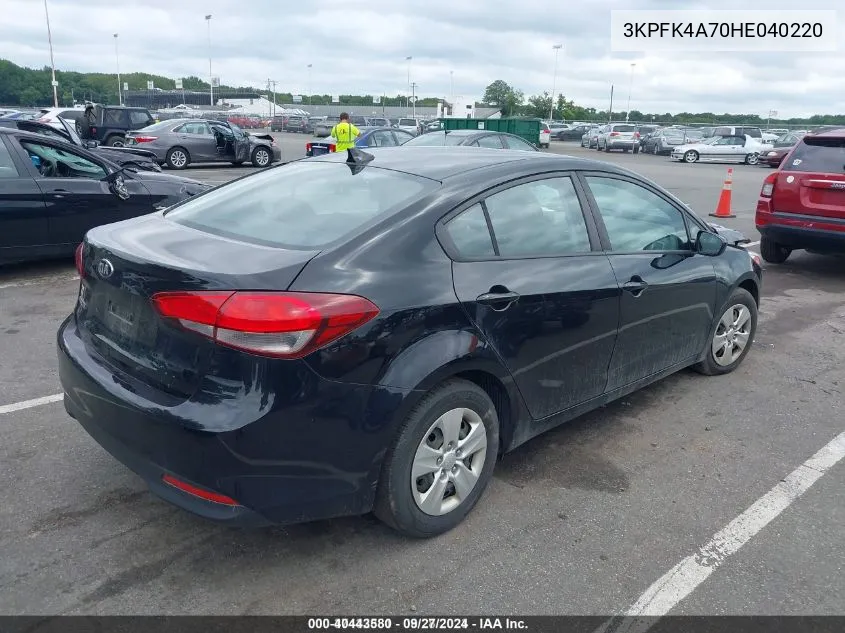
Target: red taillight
x=93, y=130
x=80, y=262
x=194, y=491
x=768, y=189
x=144, y=139
x=277, y=324
x=614, y=134
x=308, y=147
x=332, y=148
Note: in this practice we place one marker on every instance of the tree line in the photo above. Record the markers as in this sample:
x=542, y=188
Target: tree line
x=30, y=87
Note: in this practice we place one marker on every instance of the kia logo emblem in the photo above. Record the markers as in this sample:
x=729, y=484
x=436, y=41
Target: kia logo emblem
x=105, y=268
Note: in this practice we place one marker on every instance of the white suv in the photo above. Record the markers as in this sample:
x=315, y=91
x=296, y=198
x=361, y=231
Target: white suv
x=545, y=134
x=50, y=116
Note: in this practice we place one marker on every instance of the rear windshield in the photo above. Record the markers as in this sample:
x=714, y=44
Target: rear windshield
x=407, y=122
x=437, y=139
x=305, y=205
x=826, y=155
x=624, y=128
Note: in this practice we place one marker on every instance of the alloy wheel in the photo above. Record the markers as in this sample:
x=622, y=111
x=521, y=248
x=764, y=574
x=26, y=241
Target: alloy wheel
x=178, y=158
x=732, y=335
x=449, y=461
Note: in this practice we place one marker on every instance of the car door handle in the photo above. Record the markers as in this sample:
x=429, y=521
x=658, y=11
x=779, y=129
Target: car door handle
x=492, y=298
x=635, y=285
x=59, y=193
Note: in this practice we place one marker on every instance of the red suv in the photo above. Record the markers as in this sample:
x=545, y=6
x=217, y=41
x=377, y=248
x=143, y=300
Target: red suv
x=802, y=204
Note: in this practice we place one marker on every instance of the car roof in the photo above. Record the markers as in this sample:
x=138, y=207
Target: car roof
x=444, y=162
x=833, y=132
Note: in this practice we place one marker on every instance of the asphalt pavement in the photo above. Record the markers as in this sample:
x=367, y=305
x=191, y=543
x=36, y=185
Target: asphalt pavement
x=582, y=520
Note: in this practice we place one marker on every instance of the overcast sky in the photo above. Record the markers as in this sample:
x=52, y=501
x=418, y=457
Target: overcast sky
x=360, y=48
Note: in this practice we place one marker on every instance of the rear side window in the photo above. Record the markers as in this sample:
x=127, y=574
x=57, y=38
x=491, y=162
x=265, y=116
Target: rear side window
x=139, y=119
x=7, y=167
x=304, y=205
x=114, y=117
x=818, y=154
x=470, y=234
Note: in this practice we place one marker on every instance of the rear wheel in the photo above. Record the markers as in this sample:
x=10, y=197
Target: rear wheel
x=752, y=159
x=732, y=336
x=441, y=462
x=772, y=252
x=261, y=157
x=115, y=140
x=177, y=158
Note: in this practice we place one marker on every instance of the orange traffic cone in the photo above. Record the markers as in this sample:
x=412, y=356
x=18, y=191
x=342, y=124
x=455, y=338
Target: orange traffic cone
x=723, y=209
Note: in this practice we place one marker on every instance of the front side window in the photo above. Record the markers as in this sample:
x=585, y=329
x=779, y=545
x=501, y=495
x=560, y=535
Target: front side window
x=53, y=162
x=537, y=219
x=305, y=205
x=636, y=218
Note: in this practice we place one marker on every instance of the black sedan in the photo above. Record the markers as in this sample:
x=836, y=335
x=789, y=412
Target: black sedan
x=371, y=330
x=52, y=192
x=471, y=138
x=123, y=156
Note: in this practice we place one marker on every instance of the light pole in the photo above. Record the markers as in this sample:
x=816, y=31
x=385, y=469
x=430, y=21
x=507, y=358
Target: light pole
x=451, y=88
x=556, y=48
x=210, y=77
x=408, y=59
x=117, y=61
x=414, y=98
x=630, y=85
x=52, y=64
x=309, y=84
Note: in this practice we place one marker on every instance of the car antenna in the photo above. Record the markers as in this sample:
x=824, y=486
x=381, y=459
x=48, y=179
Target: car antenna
x=357, y=159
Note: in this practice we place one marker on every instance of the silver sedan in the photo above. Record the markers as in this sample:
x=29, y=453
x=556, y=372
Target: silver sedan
x=179, y=142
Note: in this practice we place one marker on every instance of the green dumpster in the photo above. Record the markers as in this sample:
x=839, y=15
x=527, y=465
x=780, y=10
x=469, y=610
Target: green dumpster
x=529, y=129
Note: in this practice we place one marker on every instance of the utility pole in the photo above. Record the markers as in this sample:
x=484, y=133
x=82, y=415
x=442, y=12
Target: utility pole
x=556, y=48
x=309, y=84
x=117, y=60
x=451, y=89
x=52, y=64
x=273, y=82
x=630, y=85
x=210, y=77
x=414, y=98
x=610, y=111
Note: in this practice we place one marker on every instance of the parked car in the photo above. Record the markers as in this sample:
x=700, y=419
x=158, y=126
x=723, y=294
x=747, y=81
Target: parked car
x=378, y=121
x=122, y=156
x=370, y=137
x=50, y=116
x=662, y=141
x=324, y=128
x=111, y=123
x=342, y=335
x=277, y=123
x=571, y=133
x=52, y=192
x=409, y=125
x=780, y=148
x=178, y=143
x=20, y=115
x=645, y=130
x=433, y=126
x=556, y=128
x=591, y=137
x=297, y=123
x=545, y=138
x=471, y=138
x=619, y=136
x=722, y=149
x=741, y=130
x=802, y=204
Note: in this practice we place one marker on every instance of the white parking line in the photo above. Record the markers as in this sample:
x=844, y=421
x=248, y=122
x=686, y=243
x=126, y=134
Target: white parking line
x=750, y=244
x=683, y=578
x=28, y=404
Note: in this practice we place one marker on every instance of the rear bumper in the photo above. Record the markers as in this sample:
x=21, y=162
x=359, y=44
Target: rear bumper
x=801, y=231
x=613, y=144
x=314, y=458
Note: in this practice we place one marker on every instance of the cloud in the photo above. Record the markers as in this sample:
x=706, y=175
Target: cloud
x=360, y=47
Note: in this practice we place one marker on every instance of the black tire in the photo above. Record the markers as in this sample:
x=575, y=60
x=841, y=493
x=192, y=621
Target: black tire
x=395, y=504
x=115, y=140
x=709, y=366
x=173, y=158
x=261, y=157
x=772, y=252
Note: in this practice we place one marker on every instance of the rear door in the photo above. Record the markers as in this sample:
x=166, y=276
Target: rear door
x=546, y=302
x=812, y=179
x=23, y=217
x=77, y=199
x=669, y=291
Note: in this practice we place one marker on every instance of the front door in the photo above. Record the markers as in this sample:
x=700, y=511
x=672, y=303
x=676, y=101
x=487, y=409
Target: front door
x=668, y=290
x=547, y=304
x=23, y=220
x=196, y=137
x=77, y=198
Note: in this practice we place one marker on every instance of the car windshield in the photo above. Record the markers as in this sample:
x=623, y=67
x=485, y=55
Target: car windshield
x=407, y=122
x=435, y=139
x=818, y=154
x=305, y=205
x=673, y=133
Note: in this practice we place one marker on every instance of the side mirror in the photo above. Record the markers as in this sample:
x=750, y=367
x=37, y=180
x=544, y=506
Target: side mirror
x=117, y=183
x=710, y=244
x=91, y=144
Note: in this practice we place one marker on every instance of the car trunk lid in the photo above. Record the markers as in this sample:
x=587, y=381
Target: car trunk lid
x=123, y=269
x=812, y=179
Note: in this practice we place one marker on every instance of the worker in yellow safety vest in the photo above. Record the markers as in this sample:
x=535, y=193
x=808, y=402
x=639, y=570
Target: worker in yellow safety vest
x=345, y=133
